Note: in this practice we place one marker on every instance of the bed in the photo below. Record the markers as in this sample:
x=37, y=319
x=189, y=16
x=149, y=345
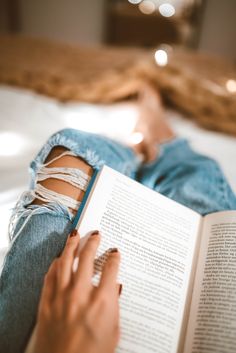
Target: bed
x=27, y=119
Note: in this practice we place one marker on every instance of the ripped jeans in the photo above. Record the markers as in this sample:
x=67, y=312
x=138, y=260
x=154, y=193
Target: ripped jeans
x=39, y=232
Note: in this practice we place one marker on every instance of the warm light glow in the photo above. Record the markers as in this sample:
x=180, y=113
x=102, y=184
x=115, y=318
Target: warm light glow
x=166, y=10
x=231, y=86
x=147, y=7
x=161, y=57
x=11, y=143
x=136, y=138
x=135, y=2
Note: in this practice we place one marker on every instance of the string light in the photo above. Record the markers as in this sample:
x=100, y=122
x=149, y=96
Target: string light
x=147, y=7
x=161, y=57
x=135, y=2
x=166, y=10
x=231, y=86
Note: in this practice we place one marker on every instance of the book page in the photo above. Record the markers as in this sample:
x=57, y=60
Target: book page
x=156, y=238
x=212, y=323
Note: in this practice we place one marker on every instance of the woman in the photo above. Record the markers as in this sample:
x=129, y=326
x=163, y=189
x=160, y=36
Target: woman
x=44, y=218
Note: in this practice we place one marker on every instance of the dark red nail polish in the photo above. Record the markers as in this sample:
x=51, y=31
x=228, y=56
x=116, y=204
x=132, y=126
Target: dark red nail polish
x=120, y=289
x=73, y=233
x=113, y=250
x=95, y=232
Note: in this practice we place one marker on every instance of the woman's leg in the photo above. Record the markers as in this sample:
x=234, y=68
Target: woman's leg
x=44, y=222
x=188, y=178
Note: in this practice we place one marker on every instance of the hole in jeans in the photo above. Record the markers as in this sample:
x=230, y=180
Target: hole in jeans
x=63, y=178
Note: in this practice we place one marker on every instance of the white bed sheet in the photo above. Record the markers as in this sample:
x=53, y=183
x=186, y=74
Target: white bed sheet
x=28, y=119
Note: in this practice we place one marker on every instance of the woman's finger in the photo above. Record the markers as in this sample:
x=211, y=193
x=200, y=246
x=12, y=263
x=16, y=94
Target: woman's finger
x=66, y=260
x=83, y=277
x=108, y=282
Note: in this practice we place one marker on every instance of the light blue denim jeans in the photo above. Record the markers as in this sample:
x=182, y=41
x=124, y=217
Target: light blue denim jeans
x=178, y=173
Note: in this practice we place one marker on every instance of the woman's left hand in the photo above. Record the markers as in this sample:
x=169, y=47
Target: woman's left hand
x=73, y=315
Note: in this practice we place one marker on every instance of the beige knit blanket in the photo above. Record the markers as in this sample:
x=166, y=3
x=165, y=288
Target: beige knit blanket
x=193, y=83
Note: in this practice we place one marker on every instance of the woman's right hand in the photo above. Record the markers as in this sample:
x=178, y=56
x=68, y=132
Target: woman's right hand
x=73, y=315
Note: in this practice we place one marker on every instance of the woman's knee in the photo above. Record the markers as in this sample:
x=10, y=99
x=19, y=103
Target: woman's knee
x=96, y=150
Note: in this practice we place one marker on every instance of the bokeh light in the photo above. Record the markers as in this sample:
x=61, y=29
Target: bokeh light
x=147, y=7
x=161, y=57
x=136, y=138
x=135, y=2
x=231, y=86
x=166, y=10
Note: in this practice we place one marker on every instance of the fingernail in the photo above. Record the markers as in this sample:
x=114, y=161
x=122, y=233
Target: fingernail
x=113, y=250
x=73, y=233
x=95, y=232
x=120, y=289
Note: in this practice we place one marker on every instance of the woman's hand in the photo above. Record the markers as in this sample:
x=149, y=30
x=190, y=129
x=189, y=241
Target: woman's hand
x=73, y=315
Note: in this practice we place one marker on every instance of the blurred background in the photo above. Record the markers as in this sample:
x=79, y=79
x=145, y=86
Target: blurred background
x=207, y=25
x=28, y=116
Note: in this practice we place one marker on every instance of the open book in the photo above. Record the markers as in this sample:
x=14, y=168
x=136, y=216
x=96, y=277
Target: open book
x=178, y=269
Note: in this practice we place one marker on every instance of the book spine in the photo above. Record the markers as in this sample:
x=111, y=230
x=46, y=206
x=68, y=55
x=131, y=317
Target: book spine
x=80, y=210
